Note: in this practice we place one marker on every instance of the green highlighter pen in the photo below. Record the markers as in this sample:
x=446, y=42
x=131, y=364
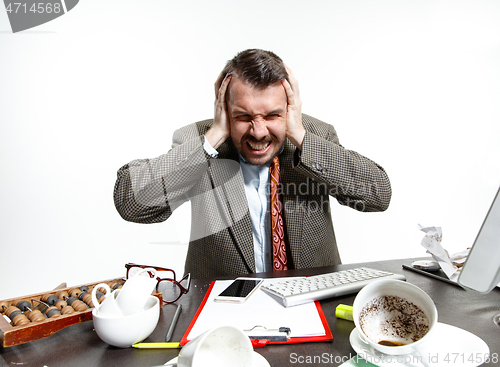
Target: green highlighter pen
x=344, y=312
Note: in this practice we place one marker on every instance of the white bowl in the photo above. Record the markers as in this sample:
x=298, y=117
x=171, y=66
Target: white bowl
x=404, y=290
x=125, y=331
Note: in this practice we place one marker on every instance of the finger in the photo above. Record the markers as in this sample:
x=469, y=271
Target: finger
x=218, y=83
x=289, y=92
x=291, y=76
x=221, y=96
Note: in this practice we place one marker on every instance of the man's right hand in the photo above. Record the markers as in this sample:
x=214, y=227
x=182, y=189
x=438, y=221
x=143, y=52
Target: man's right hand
x=220, y=129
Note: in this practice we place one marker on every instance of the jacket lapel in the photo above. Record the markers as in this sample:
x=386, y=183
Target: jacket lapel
x=227, y=179
x=294, y=204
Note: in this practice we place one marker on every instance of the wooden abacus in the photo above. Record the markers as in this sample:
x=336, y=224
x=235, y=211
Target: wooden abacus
x=38, y=316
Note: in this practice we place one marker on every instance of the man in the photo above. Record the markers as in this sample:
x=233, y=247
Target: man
x=224, y=167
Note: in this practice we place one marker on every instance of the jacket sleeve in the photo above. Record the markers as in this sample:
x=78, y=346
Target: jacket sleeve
x=149, y=190
x=351, y=178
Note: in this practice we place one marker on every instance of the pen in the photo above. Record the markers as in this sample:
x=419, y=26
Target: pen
x=174, y=322
x=156, y=345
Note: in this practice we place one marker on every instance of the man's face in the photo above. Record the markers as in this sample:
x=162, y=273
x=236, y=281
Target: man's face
x=258, y=120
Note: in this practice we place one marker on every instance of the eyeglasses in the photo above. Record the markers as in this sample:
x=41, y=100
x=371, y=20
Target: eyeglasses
x=170, y=288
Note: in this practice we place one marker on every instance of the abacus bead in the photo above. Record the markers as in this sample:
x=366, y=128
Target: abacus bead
x=66, y=310
x=36, y=315
x=70, y=300
x=10, y=310
x=116, y=285
x=79, y=306
x=60, y=304
x=88, y=300
x=52, y=312
x=43, y=297
x=75, y=292
x=4, y=305
x=52, y=299
x=15, y=313
x=24, y=305
x=20, y=320
x=62, y=294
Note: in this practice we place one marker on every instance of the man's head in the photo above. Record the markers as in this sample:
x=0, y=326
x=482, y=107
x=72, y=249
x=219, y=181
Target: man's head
x=256, y=67
x=257, y=104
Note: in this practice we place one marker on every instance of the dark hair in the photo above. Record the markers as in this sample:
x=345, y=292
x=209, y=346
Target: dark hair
x=257, y=67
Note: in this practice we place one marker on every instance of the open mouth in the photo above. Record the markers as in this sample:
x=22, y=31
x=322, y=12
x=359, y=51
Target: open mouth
x=259, y=146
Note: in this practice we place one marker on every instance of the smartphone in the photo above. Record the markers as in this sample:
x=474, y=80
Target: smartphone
x=427, y=265
x=239, y=290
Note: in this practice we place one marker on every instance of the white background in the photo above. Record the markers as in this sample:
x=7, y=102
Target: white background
x=412, y=84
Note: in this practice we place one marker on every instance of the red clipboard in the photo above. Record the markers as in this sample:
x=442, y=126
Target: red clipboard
x=260, y=343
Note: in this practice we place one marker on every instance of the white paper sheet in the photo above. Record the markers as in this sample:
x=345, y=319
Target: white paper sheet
x=451, y=265
x=259, y=309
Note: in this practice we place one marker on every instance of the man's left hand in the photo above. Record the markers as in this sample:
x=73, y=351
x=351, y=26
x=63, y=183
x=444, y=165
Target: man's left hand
x=295, y=130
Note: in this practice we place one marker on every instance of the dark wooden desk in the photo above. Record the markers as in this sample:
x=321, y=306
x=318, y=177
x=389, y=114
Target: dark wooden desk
x=78, y=345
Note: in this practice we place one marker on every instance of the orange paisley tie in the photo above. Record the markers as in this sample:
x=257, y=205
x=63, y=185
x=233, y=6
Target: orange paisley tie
x=279, y=246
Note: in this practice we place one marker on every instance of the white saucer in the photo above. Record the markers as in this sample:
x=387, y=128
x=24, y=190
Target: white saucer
x=258, y=361
x=448, y=346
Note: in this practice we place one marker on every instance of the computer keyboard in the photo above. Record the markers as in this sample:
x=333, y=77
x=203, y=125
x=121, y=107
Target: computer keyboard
x=314, y=288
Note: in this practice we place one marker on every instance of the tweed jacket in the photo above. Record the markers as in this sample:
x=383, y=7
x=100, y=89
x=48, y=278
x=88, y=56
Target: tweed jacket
x=149, y=190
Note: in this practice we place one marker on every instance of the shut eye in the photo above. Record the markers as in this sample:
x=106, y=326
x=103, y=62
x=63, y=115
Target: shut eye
x=273, y=116
x=243, y=118
x=248, y=118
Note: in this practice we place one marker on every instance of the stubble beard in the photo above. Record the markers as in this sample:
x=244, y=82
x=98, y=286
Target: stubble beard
x=277, y=147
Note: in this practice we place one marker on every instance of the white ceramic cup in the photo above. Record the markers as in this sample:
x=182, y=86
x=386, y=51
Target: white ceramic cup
x=224, y=346
x=136, y=291
x=400, y=317
x=108, y=307
x=125, y=331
